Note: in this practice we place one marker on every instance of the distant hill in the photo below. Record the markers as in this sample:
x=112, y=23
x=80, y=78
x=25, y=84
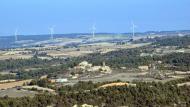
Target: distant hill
x=8, y=41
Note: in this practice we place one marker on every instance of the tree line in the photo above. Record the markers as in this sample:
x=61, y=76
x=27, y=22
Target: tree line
x=144, y=94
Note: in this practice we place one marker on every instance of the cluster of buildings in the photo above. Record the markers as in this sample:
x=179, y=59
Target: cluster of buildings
x=88, y=67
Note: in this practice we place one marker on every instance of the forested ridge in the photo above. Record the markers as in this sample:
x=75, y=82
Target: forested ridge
x=174, y=41
x=143, y=95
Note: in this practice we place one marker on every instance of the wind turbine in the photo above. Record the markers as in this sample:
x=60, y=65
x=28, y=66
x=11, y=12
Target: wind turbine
x=16, y=35
x=52, y=32
x=133, y=29
x=93, y=30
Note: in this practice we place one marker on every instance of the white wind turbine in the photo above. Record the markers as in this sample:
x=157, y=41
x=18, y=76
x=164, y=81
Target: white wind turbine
x=93, y=30
x=52, y=32
x=16, y=35
x=133, y=29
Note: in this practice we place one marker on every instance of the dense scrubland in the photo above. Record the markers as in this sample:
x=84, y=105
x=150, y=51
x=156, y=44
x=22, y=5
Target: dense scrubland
x=142, y=95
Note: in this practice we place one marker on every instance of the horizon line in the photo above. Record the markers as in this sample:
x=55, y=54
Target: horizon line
x=98, y=33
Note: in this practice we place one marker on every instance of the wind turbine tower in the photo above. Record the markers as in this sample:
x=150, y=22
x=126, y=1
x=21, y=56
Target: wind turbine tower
x=16, y=35
x=133, y=30
x=93, y=31
x=52, y=32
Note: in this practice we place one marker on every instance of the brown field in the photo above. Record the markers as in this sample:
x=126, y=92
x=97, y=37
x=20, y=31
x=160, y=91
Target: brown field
x=4, y=57
x=182, y=84
x=73, y=53
x=117, y=84
x=87, y=49
x=13, y=84
x=114, y=84
x=68, y=52
x=15, y=93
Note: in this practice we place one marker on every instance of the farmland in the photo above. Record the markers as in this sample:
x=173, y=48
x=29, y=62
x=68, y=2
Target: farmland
x=13, y=84
x=57, y=71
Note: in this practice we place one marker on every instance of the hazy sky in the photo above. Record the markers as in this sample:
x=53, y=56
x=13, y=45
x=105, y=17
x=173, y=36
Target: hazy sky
x=75, y=16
